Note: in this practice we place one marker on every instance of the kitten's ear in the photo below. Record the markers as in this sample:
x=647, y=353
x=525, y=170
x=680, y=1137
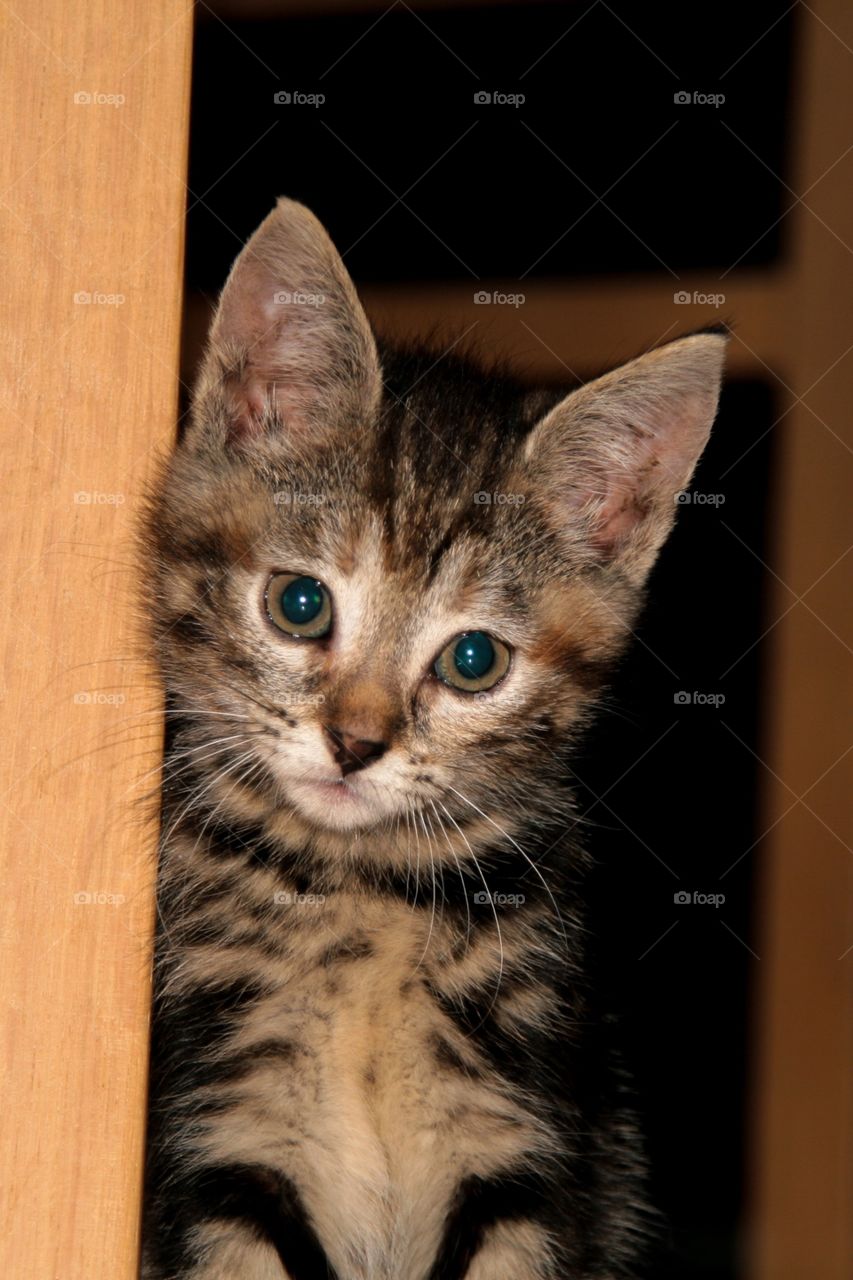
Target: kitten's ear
x=290, y=349
x=611, y=458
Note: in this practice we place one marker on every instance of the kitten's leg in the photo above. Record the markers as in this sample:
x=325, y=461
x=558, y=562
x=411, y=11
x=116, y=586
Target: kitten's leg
x=513, y=1251
x=224, y=1251
x=232, y=1222
x=229, y=1250
x=496, y=1232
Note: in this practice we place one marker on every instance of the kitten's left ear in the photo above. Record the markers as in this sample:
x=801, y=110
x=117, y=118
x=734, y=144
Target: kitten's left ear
x=611, y=458
x=290, y=349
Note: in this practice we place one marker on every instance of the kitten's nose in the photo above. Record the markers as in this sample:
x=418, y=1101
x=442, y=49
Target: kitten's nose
x=352, y=752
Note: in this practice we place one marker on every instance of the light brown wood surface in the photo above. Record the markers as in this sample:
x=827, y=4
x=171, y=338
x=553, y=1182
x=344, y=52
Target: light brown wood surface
x=92, y=203
x=802, y=1106
x=576, y=329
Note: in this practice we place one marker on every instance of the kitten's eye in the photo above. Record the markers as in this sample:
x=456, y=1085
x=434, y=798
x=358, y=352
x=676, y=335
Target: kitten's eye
x=299, y=605
x=473, y=661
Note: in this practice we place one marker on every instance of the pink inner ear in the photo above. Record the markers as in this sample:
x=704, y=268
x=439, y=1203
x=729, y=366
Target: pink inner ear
x=660, y=461
x=249, y=401
x=255, y=399
x=617, y=516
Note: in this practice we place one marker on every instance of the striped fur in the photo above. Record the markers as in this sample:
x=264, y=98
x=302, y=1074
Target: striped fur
x=375, y=1052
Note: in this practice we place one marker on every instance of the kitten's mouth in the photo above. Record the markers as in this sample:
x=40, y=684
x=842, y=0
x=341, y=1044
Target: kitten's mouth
x=338, y=792
x=336, y=803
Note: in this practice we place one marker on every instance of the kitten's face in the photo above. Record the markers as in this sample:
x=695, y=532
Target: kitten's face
x=363, y=642
x=390, y=652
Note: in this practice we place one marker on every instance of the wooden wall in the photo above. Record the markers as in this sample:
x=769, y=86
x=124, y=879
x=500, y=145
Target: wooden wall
x=92, y=204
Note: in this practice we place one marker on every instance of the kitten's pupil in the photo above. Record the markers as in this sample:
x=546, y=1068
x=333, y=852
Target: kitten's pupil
x=302, y=600
x=474, y=655
x=473, y=662
x=298, y=605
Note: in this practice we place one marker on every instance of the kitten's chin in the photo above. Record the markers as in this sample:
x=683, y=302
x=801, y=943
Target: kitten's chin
x=335, y=806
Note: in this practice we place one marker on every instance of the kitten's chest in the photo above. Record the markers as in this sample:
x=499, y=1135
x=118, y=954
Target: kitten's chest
x=363, y=1092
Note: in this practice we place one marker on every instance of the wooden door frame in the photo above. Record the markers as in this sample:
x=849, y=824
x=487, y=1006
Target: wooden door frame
x=92, y=202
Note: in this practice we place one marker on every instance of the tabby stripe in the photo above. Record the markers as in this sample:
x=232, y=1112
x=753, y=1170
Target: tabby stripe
x=479, y=1204
x=268, y=1203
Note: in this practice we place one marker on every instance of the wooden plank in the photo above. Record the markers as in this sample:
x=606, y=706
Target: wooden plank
x=95, y=100
x=565, y=328
x=584, y=326
x=803, y=1097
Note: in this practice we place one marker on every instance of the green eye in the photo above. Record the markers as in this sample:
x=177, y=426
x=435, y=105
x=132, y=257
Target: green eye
x=299, y=605
x=473, y=661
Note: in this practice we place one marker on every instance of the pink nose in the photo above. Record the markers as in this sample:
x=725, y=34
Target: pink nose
x=352, y=752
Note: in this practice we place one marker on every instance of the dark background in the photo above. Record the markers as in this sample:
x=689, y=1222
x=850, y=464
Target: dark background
x=668, y=789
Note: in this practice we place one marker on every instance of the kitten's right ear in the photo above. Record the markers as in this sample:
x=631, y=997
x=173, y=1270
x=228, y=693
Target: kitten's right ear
x=609, y=461
x=290, y=350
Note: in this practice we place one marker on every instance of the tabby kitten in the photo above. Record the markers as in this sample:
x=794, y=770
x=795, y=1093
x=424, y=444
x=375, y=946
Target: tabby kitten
x=386, y=590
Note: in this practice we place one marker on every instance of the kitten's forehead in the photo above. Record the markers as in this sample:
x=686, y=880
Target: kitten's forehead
x=418, y=494
x=395, y=572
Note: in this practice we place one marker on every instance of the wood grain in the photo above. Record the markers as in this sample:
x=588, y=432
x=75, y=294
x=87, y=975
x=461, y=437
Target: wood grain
x=92, y=203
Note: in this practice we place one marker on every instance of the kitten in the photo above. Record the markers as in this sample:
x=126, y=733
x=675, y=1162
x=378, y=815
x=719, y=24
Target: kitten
x=386, y=590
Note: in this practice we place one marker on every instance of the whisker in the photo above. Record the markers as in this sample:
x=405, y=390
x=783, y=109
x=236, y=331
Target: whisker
x=443, y=830
x=524, y=855
x=494, y=913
